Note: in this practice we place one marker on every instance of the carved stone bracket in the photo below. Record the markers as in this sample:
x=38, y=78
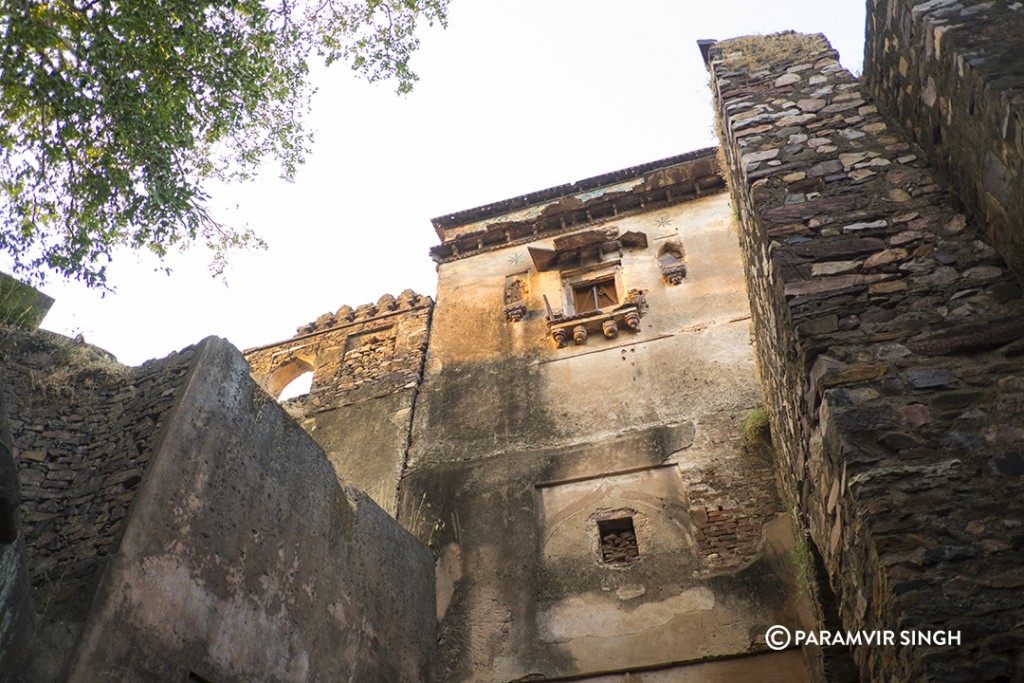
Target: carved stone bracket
x=579, y=328
x=559, y=335
x=515, y=312
x=674, y=274
x=514, y=298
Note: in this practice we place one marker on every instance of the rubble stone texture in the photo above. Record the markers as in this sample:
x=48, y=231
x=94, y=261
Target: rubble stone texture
x=951, y=72
x=889, y=334
x=367, y=365
x=81, y=463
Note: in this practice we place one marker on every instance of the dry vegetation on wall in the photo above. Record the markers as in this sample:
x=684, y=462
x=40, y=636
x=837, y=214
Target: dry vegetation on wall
x=749, y=52
x=755, y=428
x=76, y=372
x=73, y=369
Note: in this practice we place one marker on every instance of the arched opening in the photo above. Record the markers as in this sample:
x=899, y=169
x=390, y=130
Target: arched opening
x=299, y=386
x=291, y=379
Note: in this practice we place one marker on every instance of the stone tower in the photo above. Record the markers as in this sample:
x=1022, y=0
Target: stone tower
x=880, y=223
x=578, y=461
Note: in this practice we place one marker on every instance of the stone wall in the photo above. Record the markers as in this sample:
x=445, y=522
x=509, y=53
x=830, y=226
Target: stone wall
x=951, y=72
x=366, y=365
x=179, y=508
x=244, y=559
x=16, y=613
x=889, y=339
x=82, y=428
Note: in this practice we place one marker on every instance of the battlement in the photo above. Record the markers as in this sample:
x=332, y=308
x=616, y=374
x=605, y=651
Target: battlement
x=353, y=353
x=578, y=431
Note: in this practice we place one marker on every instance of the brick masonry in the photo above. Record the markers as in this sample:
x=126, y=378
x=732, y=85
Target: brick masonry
x=889, y=338
x=83, y=428
x=951, y=72
x=732, y=498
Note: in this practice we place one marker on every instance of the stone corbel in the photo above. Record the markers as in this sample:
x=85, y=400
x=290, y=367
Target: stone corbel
x=514, y=298
x=579, y=328
x=515, y=313
x=670, y=260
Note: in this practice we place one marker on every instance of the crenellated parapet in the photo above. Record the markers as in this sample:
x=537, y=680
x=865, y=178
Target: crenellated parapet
x=366, y=364
x=353, y=353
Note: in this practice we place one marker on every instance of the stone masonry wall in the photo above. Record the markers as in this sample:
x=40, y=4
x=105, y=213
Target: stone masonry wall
x=83, y=427
x=952, y=73
x=243, y=559
x=367, y=364
x=16, y=614
x=372, y=350
x=889, y=339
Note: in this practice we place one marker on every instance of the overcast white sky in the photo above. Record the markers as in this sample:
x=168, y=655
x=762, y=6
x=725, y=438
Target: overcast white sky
x=514, y=97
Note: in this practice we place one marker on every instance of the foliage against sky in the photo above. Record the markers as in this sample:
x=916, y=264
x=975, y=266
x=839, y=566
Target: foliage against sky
x=114, y=115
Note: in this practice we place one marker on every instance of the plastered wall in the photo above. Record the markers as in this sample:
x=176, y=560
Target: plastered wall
x=174, y=520
x=523, y=450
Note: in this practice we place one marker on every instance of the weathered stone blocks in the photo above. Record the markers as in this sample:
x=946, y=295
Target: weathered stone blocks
x=883, y=320
x=82, y=427
x=952, y=73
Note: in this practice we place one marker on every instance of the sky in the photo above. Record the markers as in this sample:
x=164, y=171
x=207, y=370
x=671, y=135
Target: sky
x=514, y=97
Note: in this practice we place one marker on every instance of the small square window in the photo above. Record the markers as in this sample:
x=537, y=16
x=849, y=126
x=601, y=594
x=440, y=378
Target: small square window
x=594, y=295
x=618, y=540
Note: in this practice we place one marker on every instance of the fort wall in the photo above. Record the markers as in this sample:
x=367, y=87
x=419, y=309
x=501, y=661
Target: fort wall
x=951, y=73
x=578, y=450
x=178, y=506
x=366, y=364
x=244, y=559
x=889, y=343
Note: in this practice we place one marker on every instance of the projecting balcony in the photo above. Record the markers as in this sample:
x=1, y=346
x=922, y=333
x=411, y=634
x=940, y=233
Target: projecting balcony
x=607, y=323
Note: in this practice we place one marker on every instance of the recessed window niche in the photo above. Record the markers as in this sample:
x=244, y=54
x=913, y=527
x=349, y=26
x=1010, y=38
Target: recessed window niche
x=617, y=540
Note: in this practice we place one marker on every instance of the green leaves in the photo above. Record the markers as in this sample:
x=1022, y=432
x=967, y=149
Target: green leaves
x=376, y=38
x=114, y=114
